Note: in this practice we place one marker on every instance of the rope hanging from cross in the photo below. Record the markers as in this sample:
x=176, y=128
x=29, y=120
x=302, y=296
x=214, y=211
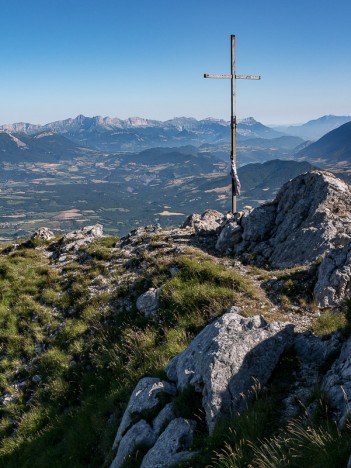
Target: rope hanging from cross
x=233, y=77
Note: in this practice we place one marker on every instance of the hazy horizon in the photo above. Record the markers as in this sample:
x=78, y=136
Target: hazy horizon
x=148, y=59
x=268, y=124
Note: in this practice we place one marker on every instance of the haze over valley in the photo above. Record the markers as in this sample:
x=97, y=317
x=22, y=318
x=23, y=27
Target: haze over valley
x=126, y=173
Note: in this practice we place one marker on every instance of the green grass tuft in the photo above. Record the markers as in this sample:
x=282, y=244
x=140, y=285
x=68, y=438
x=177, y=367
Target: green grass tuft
x=330, y=321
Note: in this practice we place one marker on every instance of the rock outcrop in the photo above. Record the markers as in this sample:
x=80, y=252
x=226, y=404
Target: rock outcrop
x=230, y=235
x=172, y=446
x=334, y=278
x=337, y=384
x=74, y=240
x=70, y=244
x=209, y=223
x=309, y=217
x=223, y=362
x=190, y=221
x=226, y=359
x=145, y=397
x=311, y=352
x=43, y=233
x=148, y=302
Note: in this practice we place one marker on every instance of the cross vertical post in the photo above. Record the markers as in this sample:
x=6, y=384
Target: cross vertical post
x=233, y=77
x=235, y=189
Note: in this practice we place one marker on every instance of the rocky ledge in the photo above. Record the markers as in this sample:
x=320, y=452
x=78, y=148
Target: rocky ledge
x=309, y=222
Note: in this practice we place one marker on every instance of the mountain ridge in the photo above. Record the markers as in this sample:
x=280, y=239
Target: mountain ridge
x=331, y=149
x=135, y=133
x=45, y=146
x=316, y=128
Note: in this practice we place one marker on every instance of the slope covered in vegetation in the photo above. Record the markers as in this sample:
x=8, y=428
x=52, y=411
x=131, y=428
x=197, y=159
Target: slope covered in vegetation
x=73, y=345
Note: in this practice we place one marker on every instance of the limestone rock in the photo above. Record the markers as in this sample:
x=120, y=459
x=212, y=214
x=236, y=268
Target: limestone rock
x=172, y=446
x=166, y=415
x=226, y=358
x=309, y=216
x=334, y=278
x=209, y=223
x=43, y=233
x=231, y=234
x=148, y=302
x=140, y=236
x=144, y=398
x=74, y=240
x=190, y=221
x=207, y=228
x=68, y=247
x=211, y=214
x=139, y=434
x=311, y=351
x=337, y=384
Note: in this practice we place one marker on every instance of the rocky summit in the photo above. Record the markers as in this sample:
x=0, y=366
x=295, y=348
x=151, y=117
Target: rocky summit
x=224, y=342
x=309, y=217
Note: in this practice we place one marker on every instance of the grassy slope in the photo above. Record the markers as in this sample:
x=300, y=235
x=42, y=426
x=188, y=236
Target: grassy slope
x=69, y=361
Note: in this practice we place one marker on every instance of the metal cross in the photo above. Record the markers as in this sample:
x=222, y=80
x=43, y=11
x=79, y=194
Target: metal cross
x=233, y=77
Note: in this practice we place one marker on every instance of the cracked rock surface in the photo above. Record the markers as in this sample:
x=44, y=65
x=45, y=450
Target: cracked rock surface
x=309, y=216
x=227, y=358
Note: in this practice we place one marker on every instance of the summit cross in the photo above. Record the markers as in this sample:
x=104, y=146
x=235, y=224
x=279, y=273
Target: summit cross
x=233, y=77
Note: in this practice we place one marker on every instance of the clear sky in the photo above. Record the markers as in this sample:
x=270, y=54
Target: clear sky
x=122, y=58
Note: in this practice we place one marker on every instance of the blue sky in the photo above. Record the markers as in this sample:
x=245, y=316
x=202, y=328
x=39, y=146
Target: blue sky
x=122, y=58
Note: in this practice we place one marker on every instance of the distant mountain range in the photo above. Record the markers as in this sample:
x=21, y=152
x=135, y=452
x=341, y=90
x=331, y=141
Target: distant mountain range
x=71, y=138
x=315, y=129
x=333, y=149
x=125, y=173
x=136, y=134
x=46, y=147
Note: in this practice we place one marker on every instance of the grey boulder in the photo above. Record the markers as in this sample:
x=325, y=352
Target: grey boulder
x=334, y=278
x=172, y=446
x=231, y=234
x=190, y=221
x=226, y=359
x=139, y=434
x=209, y=224
x=148, y=303
x=145, y=397
x=43, y=233
x=76, y=239
x=337, y=384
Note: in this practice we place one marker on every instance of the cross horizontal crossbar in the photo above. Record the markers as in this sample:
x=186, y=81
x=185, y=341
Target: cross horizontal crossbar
x=238, y=77
x=247, y=77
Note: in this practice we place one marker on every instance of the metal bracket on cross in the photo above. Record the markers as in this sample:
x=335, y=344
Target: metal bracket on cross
x=233, y=77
